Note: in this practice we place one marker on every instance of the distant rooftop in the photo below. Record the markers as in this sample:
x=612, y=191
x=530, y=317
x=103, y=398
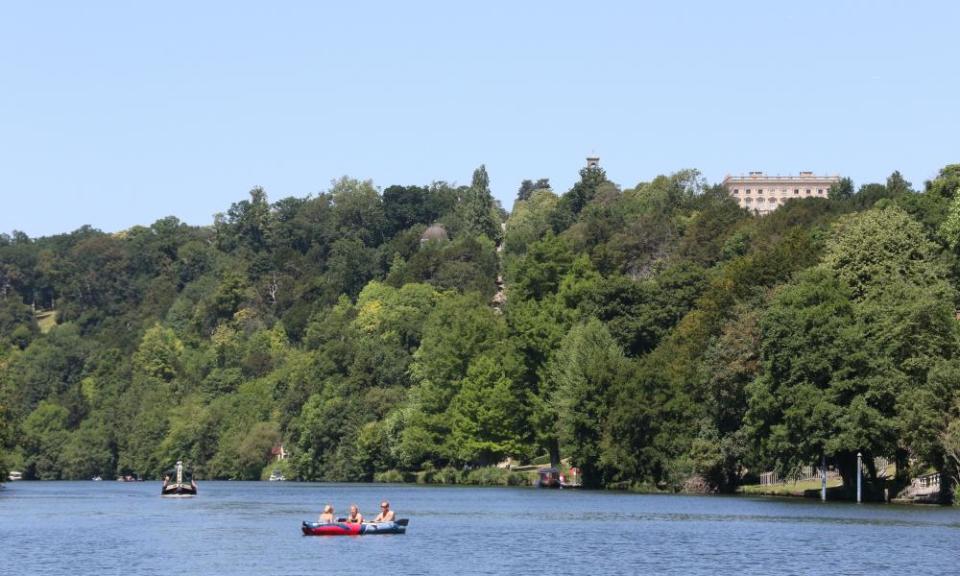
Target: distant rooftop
x=803, y=176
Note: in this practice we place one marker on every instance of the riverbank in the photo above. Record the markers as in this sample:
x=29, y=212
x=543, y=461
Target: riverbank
x=487, y=476
x=799, y=489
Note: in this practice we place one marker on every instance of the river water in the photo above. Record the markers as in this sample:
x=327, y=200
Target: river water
x=238, y=528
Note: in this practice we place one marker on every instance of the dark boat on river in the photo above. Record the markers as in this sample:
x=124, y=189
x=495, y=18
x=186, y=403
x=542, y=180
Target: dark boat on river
x=553, y=478
x=548, y=478
x=178, y=482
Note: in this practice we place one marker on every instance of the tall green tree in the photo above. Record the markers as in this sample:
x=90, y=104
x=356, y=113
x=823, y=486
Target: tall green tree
x=358, y=210
x=476, y=212
x=585, y=369
x=849, y=348
x=459, y=329
x=45, y=436
x=528, y=187
x=4, y=442
x=489, y=414
x=248, y=223
x=814, y=382
x=842, y=190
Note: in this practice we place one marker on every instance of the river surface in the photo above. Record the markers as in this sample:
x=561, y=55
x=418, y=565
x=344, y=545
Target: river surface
x=238, y=528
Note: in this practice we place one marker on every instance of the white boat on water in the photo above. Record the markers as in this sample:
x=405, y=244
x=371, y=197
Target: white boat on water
x=277, y=476
x=14, y=476
x=178, y=482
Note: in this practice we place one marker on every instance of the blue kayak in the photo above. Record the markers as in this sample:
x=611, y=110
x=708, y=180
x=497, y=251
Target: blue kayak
x=398, y=527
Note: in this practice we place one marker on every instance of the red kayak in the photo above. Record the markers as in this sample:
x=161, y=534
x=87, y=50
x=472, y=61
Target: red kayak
x=343, y=529
x=335, y=529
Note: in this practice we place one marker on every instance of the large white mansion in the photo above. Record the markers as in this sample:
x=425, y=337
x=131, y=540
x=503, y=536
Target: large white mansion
x=763, y=194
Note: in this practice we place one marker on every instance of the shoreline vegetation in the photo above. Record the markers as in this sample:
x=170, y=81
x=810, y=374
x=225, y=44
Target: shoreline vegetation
x=527, y=476
x=500, y=477
x=799, y=489
x=486, y=476
x=656, y=336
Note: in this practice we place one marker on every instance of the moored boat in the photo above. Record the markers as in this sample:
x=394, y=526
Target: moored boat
x=548, y=478
x=179, y=484
x=344, y=529
x=14, y=476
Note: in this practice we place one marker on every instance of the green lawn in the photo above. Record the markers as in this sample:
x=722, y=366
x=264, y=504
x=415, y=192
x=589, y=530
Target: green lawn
x=788, y=488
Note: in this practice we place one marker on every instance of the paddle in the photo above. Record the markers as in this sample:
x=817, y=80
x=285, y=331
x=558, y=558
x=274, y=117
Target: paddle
x=399, y=521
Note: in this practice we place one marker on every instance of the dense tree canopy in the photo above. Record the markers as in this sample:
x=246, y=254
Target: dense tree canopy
x=646, y=335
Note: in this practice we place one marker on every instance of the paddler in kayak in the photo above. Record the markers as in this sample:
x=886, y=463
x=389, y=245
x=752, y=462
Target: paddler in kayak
x=327, y=516
x=386, y=514
x=355, y=516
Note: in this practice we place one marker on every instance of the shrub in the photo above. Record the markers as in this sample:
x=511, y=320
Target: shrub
x=394, y=476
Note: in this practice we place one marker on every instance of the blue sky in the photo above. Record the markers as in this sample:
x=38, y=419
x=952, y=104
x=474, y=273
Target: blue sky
x=117, y=114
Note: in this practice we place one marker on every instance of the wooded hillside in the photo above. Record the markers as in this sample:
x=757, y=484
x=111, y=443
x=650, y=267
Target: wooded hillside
x=649, y=334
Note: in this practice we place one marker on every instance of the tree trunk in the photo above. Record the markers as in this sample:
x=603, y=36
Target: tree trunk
x=553, y=445
x=947, y=485
x=902, y=478
x=846, y=463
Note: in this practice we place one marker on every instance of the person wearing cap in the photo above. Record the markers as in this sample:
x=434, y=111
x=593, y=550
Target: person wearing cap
x=386, y=514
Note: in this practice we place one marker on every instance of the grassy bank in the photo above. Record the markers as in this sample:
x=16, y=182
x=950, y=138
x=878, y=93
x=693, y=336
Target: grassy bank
x=488, y=476
x=799, y=489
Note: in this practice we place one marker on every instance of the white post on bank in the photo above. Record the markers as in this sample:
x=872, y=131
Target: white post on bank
x=823, y=477
x=859, y=476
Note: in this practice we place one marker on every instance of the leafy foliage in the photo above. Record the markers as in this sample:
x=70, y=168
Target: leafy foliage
x=648, y=335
